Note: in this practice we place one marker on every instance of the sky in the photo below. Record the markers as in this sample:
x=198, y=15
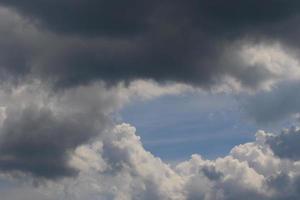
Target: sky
x=142, y=100
x=207, y=124
x=174, y=127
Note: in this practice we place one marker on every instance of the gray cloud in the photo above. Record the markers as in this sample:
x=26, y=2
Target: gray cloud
x=286, y=187
x=114, y=17
x=270, y=106
x=286, y=145
x=91, y=18
x=40, y=129
x=70, y=44
x=211, y=173
x=36, y=141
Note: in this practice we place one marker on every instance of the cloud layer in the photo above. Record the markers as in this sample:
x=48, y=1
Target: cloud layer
x=200, y=42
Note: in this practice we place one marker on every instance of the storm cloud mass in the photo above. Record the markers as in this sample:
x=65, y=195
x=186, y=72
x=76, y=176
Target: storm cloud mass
x=68, y=67
x=196, y=42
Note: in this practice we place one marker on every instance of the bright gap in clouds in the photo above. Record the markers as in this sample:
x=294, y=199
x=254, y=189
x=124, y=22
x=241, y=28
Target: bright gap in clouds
x=173, y=127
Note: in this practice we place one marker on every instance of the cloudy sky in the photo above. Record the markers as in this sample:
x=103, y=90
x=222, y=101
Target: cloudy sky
x=143, y=100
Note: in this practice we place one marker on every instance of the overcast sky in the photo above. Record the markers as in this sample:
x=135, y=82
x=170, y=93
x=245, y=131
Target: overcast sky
x=142, y=100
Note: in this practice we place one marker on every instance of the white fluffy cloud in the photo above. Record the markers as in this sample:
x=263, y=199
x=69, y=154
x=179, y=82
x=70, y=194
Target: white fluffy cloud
x=118, y=167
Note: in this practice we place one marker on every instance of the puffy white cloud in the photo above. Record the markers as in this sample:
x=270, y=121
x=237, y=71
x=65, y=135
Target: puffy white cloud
x=116, y=166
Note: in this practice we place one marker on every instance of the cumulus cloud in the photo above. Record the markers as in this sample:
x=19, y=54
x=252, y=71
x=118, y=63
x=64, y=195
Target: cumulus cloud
x=118, y=167
x=41, y=128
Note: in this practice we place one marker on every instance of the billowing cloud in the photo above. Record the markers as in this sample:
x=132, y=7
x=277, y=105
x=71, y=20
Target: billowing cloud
x=37, y=133
x=40, y=129
x=199, y=43
x=250, y=171
x=118, y=167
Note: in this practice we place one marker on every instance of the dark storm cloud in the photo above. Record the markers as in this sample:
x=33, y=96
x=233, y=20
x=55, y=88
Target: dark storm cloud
x=92, y=17
x=101, y=17
x=37, y=142
x=163, y=40
x=286, y=145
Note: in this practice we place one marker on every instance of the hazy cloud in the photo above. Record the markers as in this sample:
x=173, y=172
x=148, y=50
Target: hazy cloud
x=274, y=105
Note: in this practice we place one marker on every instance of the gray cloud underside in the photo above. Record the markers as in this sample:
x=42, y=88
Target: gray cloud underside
x=40, y=129
x=286, y=145
x=35, y=141
x=73, y=43
x=271, y=106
